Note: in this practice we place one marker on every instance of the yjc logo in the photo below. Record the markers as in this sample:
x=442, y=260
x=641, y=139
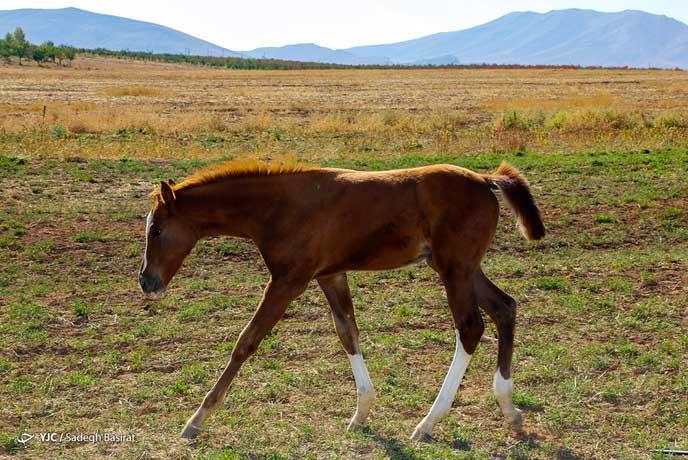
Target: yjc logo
x=24, y=439
x=49, y=437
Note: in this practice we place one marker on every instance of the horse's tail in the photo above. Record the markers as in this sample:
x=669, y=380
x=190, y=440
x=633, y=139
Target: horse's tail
x=516, y=190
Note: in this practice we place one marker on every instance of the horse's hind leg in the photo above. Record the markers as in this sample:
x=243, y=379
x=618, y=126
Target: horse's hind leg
x=336, y=289
x=469, y=328
x=501, y=308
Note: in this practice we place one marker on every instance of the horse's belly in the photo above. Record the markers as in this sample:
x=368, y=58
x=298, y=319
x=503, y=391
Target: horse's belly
x=391, y=254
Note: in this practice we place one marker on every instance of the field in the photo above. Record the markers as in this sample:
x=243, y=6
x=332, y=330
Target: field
x=602, y=338
x=190, y=112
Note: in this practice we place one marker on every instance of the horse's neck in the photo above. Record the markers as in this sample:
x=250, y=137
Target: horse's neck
x=229, y=208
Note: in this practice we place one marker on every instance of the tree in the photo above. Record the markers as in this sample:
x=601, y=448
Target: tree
x=20, y=45
x=60, y=54
x=38, y=54
x=16, y=44
x=19, y=35
x=70, y=53
x=49, y=50
x=5, y=49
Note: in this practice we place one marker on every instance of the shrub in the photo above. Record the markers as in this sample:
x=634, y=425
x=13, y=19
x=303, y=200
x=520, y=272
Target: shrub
x=81, y=308
x=592, y=119
x=89, y=236
x=671, y=120
x=604, y=219
x=520, y=120
x=58, y=131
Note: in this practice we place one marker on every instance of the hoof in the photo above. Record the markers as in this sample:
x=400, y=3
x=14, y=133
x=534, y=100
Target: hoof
x=190, y=431
x=422, y=433
x=516, y=421
x=356, y=424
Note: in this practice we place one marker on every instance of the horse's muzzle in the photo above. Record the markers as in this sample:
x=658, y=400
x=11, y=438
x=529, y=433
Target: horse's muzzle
x=151, y=285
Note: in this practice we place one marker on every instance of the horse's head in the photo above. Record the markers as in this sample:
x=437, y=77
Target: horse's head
x=169, y=239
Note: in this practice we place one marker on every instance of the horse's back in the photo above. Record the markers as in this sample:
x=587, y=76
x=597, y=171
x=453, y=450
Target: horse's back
x=437, y=190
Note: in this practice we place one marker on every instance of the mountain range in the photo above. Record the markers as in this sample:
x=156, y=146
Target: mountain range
x=84, y=29
x=561, y=37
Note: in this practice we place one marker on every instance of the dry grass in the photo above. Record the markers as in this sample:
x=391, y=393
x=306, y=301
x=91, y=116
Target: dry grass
x=94, y=118
x=132, y=91
x=565, y=101
x=190, y=111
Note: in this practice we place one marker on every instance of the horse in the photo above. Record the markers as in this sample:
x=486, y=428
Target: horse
x=312, y=223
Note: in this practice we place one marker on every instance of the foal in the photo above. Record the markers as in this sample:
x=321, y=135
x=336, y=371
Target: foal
x=318, y=223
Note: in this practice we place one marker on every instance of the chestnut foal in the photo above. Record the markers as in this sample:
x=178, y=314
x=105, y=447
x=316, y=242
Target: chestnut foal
x=318, y=223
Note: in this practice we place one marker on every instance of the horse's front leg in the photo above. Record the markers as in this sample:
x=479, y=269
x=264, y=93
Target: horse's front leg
x=277, y=296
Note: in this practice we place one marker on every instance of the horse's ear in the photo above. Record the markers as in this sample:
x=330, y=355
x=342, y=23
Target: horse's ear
x=167, y=193
x=171, y=182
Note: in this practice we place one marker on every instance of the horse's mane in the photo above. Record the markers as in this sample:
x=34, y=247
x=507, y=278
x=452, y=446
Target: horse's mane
x=241, y=168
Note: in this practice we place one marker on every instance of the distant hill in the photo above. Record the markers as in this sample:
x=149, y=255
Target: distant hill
x=310, y=52
x=84, y=29
x=562, y=37
x=445, y=59
x=574, y=36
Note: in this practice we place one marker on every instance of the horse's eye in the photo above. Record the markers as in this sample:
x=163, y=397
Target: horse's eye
x=155, y=231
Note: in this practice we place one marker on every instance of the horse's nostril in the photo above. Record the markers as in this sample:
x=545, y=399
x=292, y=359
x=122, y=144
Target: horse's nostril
x=144, y=283
x=149, y=284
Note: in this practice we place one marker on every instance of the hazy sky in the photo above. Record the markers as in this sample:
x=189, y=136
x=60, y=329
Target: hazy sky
x=244, y=25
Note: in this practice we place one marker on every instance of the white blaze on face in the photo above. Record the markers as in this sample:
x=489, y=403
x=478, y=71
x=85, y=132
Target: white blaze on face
x=149, y=224
x=364, y=389
x=445, y=397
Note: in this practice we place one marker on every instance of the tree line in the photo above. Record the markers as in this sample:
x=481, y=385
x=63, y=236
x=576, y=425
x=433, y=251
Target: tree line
x=245, y=63
x=249, y=63
x=16, y=45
